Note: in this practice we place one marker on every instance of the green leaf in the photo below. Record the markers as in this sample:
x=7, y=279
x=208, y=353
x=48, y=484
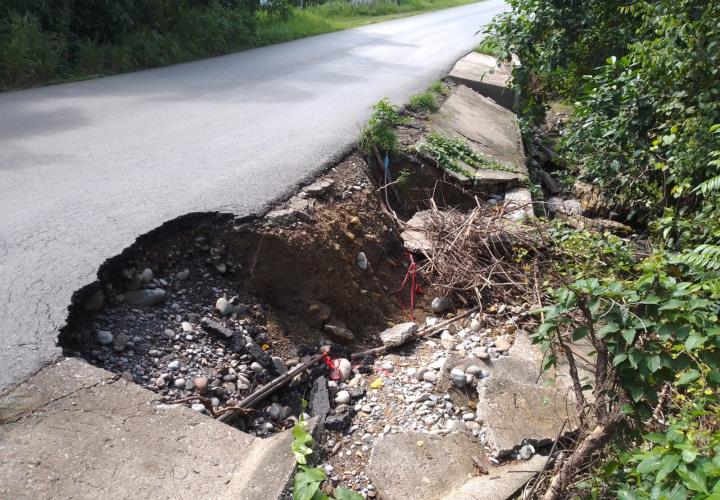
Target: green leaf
x=619, y=358
x=689, y=376
x=694, y=478
x=629, y=335
x=654, y=363
x=307, y=482
x=636, y=393
x=346, y=494
x=672, y=304
x=579, y=333
x=609, y=328
x=656, y=437
x=650, y=464
x=694, y=341
x=301, y=444
x=689, y=455
x=551, y=360
x=626, y=495
x=668, y=464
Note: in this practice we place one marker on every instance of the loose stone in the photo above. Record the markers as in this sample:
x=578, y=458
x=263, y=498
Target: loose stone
x=440, y=304
x=223, y=306
x=342, y=398
x=104, y=337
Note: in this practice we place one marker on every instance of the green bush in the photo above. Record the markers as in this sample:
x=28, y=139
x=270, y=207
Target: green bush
x=642, y=80
x=27, y=54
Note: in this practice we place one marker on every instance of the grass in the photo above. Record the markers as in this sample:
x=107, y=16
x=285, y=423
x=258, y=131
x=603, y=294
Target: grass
x=425, y=102
x=490, y=47
x=340, y=15
x=30, y=56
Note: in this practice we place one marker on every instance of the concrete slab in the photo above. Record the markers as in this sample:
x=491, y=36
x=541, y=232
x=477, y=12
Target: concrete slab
x=489, y=129
x=519, y=204
x=76, y=431
x=512, y=412
x=419, y=465
x=484, y=74
x=415, y=238
x=500, y=483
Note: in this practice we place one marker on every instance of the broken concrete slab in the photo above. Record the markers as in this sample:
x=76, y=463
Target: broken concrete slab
x=398, y=334
x=489, y=129
x=519, y=204
x=512, y=412
x=415, y=238
x=500, y=483
x=421, y=465
x=486, y=75
x=298, y=209
x=76, y=431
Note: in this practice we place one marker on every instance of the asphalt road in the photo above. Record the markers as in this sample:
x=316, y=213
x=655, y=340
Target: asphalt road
x=87, y=167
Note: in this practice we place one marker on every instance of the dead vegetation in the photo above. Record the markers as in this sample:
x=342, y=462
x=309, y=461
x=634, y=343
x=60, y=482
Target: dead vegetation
x=484, y=254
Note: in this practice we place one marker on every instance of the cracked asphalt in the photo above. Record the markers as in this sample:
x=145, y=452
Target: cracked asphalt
x=87, y=167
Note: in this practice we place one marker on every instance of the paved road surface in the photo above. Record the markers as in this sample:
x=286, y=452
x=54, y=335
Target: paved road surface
x=87, y=167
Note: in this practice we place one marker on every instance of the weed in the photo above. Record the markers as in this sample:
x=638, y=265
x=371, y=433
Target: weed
x=451, y=154
x=423, y=103
x=439, y=87
x=307, y=481
x=491, y=47
x=380, y=129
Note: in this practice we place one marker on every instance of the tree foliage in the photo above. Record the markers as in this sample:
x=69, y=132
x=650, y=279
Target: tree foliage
x=643, y=81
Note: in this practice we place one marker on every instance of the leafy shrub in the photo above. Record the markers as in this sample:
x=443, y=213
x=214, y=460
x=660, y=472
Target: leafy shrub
x=279, y=9
x=642, y=78
x=491, y=47
x=27, y=54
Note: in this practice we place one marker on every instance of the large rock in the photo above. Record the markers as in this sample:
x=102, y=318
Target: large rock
x=148, y=297
x=398, y=334
x=76, y=431
x=422, y=466
x=484, y=74
x=489, y=129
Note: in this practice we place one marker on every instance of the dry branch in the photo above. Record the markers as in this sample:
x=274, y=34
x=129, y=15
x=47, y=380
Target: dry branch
x=484, y=253
x=267, y=389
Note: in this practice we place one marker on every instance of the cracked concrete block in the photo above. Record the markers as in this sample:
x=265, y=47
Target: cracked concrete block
x=420, y=465
x=484, y=74
x=500, y=483
x=76, y=431
x=512, y=412
x=489, y=129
